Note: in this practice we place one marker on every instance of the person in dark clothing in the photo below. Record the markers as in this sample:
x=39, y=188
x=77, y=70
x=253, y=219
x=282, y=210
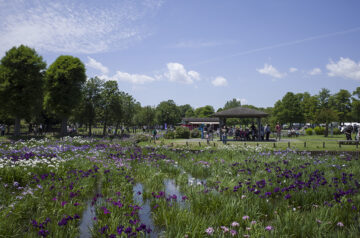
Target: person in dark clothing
x=348, y=131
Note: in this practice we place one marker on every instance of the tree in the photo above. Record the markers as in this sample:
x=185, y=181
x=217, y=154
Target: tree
x=146, y=116
x=167, y=112
x=231, y=104
x=324, y=113
x=91, y=101
x=205, y=111
x=64, y=80
x=184, y=109
x=109, y=102
x=342, y=104
x=309, y=106
x=288, y=109
x=21, y=84
x=355, y=105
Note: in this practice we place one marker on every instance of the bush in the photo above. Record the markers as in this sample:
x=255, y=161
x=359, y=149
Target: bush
x=309, y=131
x=182, y=132
x=169, y=135
x=140, y=138
x=336, y=131
x=319, y=130
x=195, y=133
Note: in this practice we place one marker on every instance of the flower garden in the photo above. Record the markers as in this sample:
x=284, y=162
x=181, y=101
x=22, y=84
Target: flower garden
x=96, y=188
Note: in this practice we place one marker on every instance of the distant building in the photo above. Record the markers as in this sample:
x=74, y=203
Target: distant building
x=192, y=123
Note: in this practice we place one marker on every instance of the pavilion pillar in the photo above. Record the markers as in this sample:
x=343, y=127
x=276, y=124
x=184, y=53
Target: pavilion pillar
x=221, y=124
x=259, y=127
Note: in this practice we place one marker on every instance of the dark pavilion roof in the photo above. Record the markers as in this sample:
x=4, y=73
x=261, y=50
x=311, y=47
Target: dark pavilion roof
x=240, y=112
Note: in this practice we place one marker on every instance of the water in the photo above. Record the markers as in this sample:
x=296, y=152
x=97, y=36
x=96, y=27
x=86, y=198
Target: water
x=196, y=181
x=172, y=189
x=87, y=221
x=145, y=211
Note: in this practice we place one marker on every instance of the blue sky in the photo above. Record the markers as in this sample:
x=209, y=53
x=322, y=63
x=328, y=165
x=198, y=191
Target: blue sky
x=197, y=52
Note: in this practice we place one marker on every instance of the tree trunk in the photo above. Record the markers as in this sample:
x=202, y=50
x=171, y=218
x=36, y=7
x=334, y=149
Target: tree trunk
x=116, y=128
x=17, y=127
x=89, y=128
x=326, y=130
x=63, y=130
x=104, y=129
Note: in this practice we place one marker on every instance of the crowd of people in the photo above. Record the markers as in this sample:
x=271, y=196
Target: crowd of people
x=249, y=133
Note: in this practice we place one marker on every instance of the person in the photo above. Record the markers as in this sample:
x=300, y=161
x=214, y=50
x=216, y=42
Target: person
x=278, y=131
x=211, y=132
x=253, y=131
x=267, y=131
x=154, y=132
x=237, y=134
x=348, y=131
x=2, y=128
x=224, y=131
x=262, y=132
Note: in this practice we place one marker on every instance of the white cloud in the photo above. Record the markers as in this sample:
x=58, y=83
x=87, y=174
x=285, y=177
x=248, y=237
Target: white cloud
x=196, y=44
x=315, y=71
x=177, y=73
x=345, y=68
x=219, y=82
x=72, y=26
x=271, y=70
x=130, y=78
x=292, y=70
x=97, y=65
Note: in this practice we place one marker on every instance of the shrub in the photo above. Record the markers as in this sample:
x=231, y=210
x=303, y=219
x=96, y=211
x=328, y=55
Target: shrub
x=309, y=131
x=319, y=130
x=182, y=132
x=140, y=138
x=336, y=131
x=169, y=135
x=195, y=133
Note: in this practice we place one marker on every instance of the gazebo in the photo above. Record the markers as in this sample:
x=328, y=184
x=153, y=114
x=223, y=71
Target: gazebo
x=240, y=112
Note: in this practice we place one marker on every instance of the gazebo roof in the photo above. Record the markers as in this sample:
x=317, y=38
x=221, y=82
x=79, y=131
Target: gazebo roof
x=240, y=112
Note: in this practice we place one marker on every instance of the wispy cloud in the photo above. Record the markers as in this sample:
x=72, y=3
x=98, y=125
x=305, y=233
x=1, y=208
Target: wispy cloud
x=271, y=70
x=315, y=71
x=97, y=65
x=283, y=44
x=73, y=26
x=345, y=68
x=293, y=70
x=196, y=44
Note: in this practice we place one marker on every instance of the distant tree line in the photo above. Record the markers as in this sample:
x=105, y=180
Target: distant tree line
x=61, y=93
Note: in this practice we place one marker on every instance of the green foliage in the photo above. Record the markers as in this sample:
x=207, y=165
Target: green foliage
x=195, y=133
x=309, y=131
x=21, y=83
x=205, y=111
x=167, y=112
x=336, y=131
x=319, y=130
x=169, y=134
x=182, y=132
x=64, y=80
x=140, y=138
x=232, y=103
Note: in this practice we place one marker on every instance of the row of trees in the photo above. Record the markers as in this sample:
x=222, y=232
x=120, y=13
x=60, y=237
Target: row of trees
x=61, y=92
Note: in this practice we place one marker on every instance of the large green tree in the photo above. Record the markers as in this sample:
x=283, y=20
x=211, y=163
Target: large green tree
x=21, y=84
x=288, y=110
x=167, y=112
x=109, y=102
x=341, y=102
x=64, y=81
x=355, y=105
x=91, y=100
x=205, y=111
x=324, y=113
